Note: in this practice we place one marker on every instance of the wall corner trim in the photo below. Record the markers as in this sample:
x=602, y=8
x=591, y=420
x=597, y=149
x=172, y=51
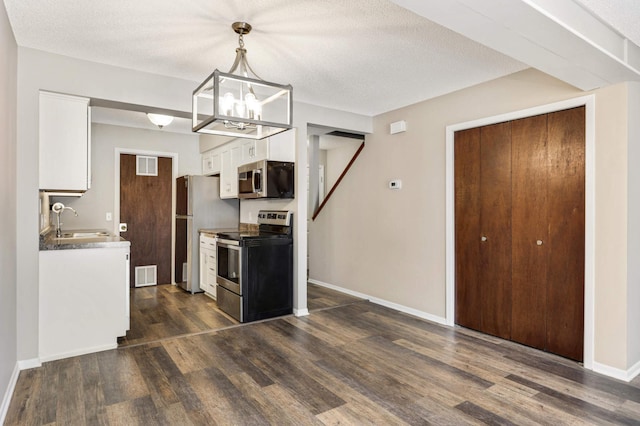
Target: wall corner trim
x=8, y=394
x=616, y=373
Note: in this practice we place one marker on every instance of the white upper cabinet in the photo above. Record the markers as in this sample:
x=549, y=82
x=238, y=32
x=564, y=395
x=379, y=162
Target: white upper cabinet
x=225, y=159
x=65, y=143
x=230, y=156
x=211, y=162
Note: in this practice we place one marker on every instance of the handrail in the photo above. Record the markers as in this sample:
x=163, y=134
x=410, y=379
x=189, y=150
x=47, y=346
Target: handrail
x=335, y=185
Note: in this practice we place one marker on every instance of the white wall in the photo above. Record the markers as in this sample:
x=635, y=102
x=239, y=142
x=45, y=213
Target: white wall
x=105, y=138
x=40, y=70
x=398, y=253
x=8, y=101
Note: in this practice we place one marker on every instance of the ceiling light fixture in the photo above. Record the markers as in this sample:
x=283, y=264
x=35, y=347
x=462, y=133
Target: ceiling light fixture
x=160, y=120
x=241, y=105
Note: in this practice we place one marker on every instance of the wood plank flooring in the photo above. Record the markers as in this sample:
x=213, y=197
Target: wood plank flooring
x=163, y=311
x=355, y=363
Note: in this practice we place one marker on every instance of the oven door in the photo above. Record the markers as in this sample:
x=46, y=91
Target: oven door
x=229, y=269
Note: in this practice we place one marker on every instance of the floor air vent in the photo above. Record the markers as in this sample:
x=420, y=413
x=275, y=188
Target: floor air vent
x=146, y=275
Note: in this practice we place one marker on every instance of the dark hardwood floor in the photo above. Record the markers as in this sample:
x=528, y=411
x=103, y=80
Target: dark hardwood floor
x=163, y=311
x=351, y=363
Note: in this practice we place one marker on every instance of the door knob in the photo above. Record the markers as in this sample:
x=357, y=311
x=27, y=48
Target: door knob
x=483, y=238
x=539, y=242
x=123, y=227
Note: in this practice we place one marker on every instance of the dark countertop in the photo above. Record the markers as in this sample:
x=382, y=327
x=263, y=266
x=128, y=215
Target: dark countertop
x=213, y=232
x=48, y=241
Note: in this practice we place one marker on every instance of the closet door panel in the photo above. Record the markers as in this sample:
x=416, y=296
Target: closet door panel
x=495, y=226
x=530, y=230
x=565, y=318
x=467, y=227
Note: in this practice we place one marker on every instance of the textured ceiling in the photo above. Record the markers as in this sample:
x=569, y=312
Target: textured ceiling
x=623, y=15
x=363, y=56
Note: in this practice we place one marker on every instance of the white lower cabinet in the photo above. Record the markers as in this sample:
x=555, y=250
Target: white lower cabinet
x=208, y=265
x=83, y=300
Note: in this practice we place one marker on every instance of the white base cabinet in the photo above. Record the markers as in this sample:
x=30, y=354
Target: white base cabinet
x=208, y=265
x=83, y=300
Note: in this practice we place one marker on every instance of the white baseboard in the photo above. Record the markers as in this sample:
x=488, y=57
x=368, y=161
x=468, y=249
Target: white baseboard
x=26, y=364
x=420, y=314
x=301, y=312
x=6, y=400
x=616, y=373
x=82, y=351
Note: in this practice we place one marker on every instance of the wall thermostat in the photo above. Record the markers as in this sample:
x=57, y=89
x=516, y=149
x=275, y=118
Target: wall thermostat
x=395, y=184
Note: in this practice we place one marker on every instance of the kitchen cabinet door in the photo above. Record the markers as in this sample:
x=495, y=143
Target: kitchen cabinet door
x=64, y=143
x=204, y=255
x=211, y=162
x=230, y=156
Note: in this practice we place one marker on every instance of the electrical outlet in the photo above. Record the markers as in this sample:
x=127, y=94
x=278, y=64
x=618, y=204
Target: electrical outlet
x=109, y=217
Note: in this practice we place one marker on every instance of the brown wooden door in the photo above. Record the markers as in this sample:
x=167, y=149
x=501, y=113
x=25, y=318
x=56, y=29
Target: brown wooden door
x=145, y=206
x=565, y=282
x=483, y=229
x=525, y=280
x=467, y=228
x=530, y=170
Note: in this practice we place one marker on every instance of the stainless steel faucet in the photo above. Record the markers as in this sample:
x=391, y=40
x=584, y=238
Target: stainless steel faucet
x=58, y=208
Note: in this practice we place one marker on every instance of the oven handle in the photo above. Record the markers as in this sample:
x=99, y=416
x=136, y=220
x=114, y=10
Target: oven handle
x=232, y=244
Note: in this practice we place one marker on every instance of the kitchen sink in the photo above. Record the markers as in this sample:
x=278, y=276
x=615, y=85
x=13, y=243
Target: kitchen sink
x=85, y=234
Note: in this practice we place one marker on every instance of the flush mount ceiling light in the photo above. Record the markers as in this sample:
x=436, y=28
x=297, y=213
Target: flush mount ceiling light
x=239, y=103
x=160, y=120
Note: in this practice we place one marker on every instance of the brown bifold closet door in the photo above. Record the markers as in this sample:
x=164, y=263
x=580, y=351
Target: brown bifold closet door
x=565, y=277
x=520, y=206
x=530, y=231
x=483, y=228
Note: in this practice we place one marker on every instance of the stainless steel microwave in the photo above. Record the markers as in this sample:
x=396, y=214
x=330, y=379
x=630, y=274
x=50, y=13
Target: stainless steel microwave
x=266, y=179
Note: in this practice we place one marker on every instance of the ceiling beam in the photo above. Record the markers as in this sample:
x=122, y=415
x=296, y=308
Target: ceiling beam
x=558, y=37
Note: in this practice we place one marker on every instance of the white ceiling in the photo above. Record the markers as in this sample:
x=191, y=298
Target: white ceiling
x=362, y=56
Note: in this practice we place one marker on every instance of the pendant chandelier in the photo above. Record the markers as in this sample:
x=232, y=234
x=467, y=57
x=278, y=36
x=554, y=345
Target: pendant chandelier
x=239, y=103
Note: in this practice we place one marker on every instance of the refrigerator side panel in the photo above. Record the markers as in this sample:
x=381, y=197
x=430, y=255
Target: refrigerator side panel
x=181, y=195
x=181, y=252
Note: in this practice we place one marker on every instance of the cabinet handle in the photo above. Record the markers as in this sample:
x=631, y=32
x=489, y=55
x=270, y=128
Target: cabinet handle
x=539, y=242
x=483, y=238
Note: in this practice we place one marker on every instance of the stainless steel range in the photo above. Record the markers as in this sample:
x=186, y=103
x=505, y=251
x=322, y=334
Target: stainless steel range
x=255, y=269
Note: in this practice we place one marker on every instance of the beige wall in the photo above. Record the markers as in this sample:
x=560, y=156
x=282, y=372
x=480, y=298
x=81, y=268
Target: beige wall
x=611, y=226
x=633, y=252
x=391, y=244
x=8, y=218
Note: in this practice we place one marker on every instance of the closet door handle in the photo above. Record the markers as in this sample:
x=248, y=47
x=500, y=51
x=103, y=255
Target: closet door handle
x=483, y=238
x=539, y=242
